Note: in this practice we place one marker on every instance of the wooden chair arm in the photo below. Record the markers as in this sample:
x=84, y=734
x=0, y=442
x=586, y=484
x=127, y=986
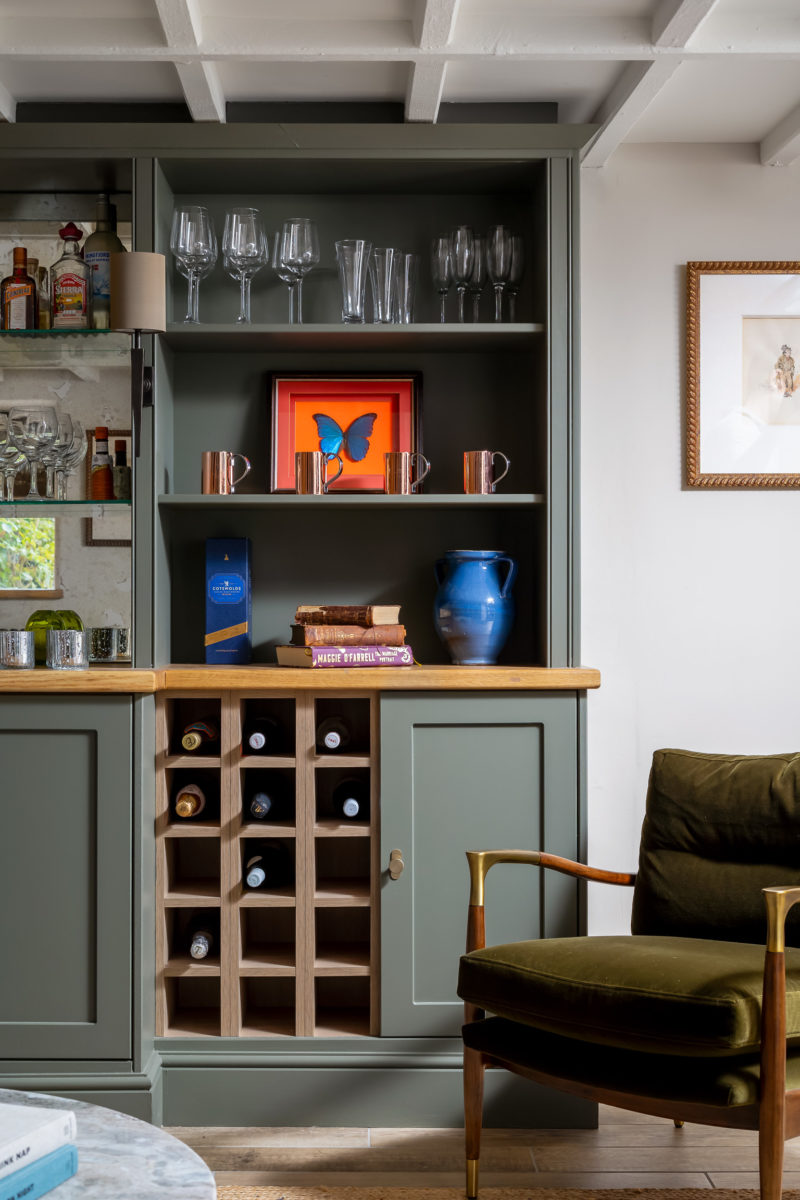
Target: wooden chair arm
x=778, y=900
x=481, y=861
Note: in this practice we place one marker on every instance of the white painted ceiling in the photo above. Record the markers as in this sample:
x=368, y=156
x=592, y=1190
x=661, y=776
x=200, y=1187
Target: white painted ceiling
x=642, y=70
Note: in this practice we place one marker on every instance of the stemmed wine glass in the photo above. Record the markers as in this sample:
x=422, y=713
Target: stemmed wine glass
x=52, y=454
x=462, y=254
x=244, y=250
x=477, y=278
x=499, y=253
x=193, y=242
x=32, y=428
x=515, y=274
x=441, y=271
x=299, y=253
x=10, y=459
x=71, y=459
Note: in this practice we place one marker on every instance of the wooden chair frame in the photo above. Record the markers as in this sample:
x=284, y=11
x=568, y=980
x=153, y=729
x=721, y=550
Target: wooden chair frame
x=776, y=1114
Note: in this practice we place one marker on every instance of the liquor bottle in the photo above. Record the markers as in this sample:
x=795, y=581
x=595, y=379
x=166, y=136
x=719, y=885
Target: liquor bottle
x=262, y=736
x=350, y=799
x=267, y=865
x=333, y=734
x=19, y=301
x=121, y=472
x=201, y=940
x=102, y=479
x=70, y=279
x=199, y=733
x=97, y=249
x=266, y=806
x=189, y=801
x=43, y=288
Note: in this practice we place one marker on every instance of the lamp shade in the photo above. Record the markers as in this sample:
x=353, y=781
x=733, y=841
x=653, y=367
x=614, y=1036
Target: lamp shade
x=138, y=287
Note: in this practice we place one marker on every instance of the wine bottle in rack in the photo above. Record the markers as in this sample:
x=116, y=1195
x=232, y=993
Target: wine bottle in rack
x=201, y=940
x=333, y=734
x=265, y=806
x=267, y=864
x=262, y=735
x=189, y=801
x=200, y=733
x=350, y=799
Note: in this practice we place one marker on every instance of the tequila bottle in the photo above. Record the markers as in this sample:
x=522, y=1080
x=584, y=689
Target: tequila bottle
x=71, y=285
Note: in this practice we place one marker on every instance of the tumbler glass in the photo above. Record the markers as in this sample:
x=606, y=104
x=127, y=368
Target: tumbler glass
x=352, y=256
x=66, y=649
x=381, y=276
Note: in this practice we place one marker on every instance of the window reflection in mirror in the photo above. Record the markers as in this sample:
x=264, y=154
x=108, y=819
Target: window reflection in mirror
x=27, y=554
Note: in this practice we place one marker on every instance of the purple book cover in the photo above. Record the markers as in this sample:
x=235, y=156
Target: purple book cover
x=361, y=656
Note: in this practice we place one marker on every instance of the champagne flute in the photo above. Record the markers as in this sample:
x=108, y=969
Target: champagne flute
x=477, y=279
x=299, y=253
x=499, y=252
x=462, y=254
x=244, y=249
x=515, y=274
x=441, y=271
x=193, y=242
x=32, y=427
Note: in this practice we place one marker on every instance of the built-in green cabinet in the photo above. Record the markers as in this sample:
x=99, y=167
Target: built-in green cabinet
x=66, y=877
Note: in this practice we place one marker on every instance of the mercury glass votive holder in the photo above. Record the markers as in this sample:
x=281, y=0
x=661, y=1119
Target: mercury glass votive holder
x=124, y=643
x=103, y=643
x=66, y=649
x=16, y=650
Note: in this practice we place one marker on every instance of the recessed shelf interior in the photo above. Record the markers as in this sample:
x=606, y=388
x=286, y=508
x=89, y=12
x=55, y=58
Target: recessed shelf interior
x=274, y=717
x=181, y=924
x=278, y=783
x=192, y=867
x=268, y=1007
x=193, y=1007
x=342, y=1007
x=207, y=779
x=267, y=940
x=185, y=711
x=353, y=714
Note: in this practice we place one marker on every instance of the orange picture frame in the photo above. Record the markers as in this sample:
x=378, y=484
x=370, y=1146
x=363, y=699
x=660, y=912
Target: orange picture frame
x=358, y=417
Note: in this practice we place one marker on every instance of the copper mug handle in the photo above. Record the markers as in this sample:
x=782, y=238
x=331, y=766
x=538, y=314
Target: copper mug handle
x=496, y=478
x=425, y=472
x=326, y=483
x=246, y=471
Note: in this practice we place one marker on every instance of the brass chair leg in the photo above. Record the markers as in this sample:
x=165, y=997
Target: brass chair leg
x=473, y=1116
x=678, y=1124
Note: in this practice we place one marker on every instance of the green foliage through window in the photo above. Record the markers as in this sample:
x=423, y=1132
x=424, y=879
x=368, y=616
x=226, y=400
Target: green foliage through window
x=27, y=553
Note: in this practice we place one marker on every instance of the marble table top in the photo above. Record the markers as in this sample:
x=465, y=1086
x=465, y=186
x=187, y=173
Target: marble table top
x=121, y=1157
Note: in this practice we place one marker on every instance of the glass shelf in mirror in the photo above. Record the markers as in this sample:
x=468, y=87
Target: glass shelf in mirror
x=59, y=508
x=62, y=347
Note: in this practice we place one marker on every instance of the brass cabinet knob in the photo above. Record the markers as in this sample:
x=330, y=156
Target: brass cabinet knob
x=396, y=864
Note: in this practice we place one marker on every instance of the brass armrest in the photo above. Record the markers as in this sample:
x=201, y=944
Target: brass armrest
x=778, y=900
x=480, y=862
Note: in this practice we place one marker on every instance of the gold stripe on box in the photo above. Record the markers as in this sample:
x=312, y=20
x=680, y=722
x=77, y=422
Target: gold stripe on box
x=222, y=635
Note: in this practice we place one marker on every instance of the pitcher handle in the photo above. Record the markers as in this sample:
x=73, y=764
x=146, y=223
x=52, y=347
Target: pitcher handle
x=506, y=460
x=426, y=472
x=511, y=575
x=246, y=470
x=328, y=482
x=438, y=570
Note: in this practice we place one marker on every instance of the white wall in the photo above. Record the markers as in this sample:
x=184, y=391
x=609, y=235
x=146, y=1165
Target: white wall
x=691, y=599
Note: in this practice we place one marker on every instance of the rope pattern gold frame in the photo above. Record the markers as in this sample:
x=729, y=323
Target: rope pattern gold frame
x=694, y=478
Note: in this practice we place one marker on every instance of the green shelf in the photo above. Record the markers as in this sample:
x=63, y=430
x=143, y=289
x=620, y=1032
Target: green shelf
x=353, y=500
x=447, y=338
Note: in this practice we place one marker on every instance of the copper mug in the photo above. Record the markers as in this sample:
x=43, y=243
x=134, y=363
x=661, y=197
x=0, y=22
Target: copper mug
x=397, y=470
x=218, y=467
x=311, y=472
x=479, y=476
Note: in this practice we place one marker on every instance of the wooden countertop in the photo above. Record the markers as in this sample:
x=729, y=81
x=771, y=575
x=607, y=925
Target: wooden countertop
x=261, y=677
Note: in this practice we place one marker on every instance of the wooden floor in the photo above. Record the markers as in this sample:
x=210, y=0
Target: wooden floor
x=628, y=1150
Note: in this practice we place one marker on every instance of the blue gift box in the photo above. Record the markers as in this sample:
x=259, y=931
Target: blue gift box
x=228, y=601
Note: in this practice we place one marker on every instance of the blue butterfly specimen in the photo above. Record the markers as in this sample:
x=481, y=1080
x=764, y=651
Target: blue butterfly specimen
x=355, y=438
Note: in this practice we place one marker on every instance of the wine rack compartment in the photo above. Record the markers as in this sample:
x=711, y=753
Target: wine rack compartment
x=278, y=868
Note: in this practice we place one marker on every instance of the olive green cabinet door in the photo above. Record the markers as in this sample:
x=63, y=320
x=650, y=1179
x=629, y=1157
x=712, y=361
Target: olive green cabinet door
x=65, y=877
x=469, y=772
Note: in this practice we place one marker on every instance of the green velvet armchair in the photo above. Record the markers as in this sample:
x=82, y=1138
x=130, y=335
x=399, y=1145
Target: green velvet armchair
x=695, y=1015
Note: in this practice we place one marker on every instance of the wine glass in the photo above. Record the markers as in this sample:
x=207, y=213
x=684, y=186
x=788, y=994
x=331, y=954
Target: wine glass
x=515, y=274
x=462, y=253
x=71, y=459
x=10, y=460
x=299, y=253
x=477, y=279
x=32, y=427
x=499, y=252
x=193, y=242
x=244, y=250
x=441, y=271
x=51, y=455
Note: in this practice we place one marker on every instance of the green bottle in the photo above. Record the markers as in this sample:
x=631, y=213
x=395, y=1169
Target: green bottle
x=40, y=621
x=70, y=619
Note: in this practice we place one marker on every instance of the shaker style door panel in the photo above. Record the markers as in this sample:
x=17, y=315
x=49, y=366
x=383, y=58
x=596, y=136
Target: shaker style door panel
x=469, y=772
x=65, y=877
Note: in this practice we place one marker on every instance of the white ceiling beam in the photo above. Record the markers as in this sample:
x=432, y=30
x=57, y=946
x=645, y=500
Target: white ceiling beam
x=202, y=89
x=180, y=21
x=425, y=87
x=638, y=85
x=434, y=23
x=781, y=146
x=8, y=104
x=676, y=21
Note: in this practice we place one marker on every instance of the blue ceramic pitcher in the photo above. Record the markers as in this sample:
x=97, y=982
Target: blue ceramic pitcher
x=473, y=610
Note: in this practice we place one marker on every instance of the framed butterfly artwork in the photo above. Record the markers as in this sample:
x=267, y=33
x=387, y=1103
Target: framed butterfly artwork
x=357, y=417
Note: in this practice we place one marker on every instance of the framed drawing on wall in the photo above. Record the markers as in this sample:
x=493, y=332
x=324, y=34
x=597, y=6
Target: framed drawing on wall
x=743, y=374
x=358, y=417
x=113, y=528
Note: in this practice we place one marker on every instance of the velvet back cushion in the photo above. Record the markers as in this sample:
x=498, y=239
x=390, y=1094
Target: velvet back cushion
x=718, y=829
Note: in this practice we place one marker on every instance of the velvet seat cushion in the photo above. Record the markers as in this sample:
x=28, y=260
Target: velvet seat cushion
x=664, y=995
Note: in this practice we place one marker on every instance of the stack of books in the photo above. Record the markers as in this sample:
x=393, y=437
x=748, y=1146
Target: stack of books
x=346, y=635
x=37, y=1150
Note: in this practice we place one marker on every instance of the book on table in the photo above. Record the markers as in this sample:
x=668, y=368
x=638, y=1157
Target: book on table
x=347, y=614
x=348, y=635
x=344, y=656
x=28, y=1132
x=41, y=1175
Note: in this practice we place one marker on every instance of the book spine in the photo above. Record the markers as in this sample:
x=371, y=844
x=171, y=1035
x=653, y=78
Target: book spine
x=335, y=614
x=361, y=656
x=35, y=1143
x=348, y=635
x=41, y=1176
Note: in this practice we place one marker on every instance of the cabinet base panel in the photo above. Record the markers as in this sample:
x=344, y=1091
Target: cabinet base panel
x=137, y=1095
x=378, y=1098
